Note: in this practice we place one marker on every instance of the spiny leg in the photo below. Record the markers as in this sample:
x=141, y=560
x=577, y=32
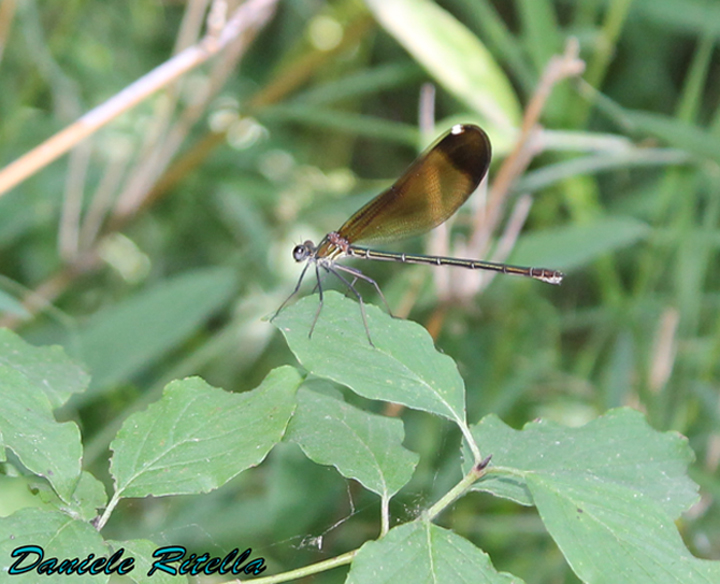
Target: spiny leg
x=357, y=295
x=358, y=274
x=297, y=287
x=317, y=284
x=320, y=304
x=351, y=284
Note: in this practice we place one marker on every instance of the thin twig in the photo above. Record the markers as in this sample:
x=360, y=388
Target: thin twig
x=469, y=287
x=141, y=184
x=69, y=231
x=156, y=131
x=101, y=201
x=250, y=14
x=7, y=12
x=664, y=350
x=487, y=217
x=249, y=17
x=559, y=68
x=285, y=82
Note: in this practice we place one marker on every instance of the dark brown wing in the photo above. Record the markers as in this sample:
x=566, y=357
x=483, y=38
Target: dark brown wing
x=428, y=193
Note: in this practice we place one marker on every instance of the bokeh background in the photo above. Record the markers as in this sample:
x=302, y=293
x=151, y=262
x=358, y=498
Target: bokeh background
x=162, y=240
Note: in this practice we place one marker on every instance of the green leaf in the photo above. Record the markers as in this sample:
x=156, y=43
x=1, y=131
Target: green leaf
x=60, y=537
x=678, y=133
x=28, y=428
x=12, y=306
x=88, y=497
x=48, y=369
x=362, y=446
x=197, y=437
x=142, y=550
x=611, y=533
x=422, y=552
x=617, y=449
x=575, y=246
x=20, y=492
x=692, y=17
x=607, y=493
x=119, y=342
x=540, y=31
x=628, y=158
x=23, y=211
x=340, y=121
x=403, y=366
x=362, y=83
x=498, y=36
x=453, y=55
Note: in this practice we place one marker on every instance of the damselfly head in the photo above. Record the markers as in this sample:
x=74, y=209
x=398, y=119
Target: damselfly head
x=303, y=251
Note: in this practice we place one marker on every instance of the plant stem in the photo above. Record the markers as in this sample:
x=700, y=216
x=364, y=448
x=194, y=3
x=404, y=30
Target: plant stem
x=303, y=572
x=465, y=483
x=251, y=14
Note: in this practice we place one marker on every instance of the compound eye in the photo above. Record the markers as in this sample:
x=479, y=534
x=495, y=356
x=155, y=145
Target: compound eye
x=300, y=252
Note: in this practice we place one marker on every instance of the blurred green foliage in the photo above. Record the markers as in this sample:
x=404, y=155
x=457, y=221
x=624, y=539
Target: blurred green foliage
x=320, y=114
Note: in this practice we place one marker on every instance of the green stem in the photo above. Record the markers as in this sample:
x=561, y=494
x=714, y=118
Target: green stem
x=470, y=440
x=454, y=493
x=385, y=515
x=108, y=511
x=306, y=571
x=615, y=17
